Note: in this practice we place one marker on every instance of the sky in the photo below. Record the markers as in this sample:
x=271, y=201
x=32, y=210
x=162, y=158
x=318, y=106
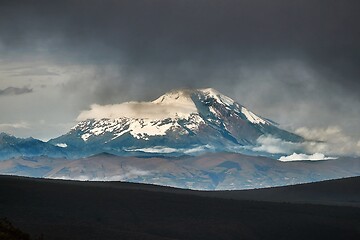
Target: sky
x=295, y=62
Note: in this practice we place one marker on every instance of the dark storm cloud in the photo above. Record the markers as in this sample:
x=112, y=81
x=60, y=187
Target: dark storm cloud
x=14, y=91
x=152, y=35
x=295, y=58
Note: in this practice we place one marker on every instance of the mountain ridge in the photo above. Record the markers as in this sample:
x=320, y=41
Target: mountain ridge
x=11, y=146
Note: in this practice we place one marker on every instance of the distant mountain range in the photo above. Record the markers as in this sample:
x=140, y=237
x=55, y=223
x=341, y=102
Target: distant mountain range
x=212, y=171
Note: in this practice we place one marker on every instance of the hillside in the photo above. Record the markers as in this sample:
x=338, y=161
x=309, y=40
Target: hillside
x=114, y=210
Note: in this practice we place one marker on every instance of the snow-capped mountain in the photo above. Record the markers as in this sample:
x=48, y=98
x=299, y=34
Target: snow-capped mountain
x=181, y=121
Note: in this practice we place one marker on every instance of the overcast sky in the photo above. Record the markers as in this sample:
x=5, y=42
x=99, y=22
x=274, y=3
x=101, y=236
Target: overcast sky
x=296, y=62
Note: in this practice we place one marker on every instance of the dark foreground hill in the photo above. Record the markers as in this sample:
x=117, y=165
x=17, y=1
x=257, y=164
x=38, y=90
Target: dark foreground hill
x=340, y=192
x=113, y=210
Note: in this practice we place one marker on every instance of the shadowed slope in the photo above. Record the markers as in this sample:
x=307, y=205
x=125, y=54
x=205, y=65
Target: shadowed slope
x=344, y=192
x=113, y=210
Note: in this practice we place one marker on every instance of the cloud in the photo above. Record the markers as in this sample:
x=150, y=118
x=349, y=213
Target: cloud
x=275, y=145
x=156, y=109
x=184, y=35
x=304, y=157
x=137, y=50
x=9, y=91
x=321, y=134
x=331, y=141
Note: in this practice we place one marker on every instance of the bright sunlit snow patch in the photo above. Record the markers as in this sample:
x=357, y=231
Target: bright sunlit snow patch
x=145, y=127
x=305, y=157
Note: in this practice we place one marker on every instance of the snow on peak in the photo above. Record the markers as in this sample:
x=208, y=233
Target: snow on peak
x=177, y=100
x=222, y=99
x=252, y=117
x=176, y=96
x=138, y=128
x=219, y=97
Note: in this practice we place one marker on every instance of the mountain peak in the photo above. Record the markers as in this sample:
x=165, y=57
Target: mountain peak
x=182, y=96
